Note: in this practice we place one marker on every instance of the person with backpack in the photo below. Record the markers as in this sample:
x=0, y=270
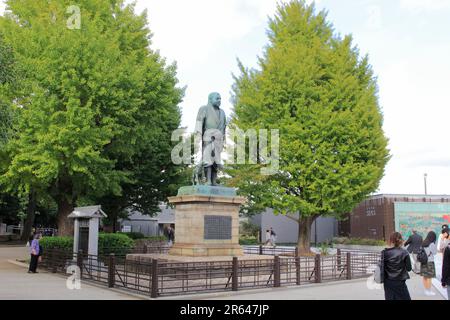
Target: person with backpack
x=413, y=245
x=426, y=258
x=396, y=264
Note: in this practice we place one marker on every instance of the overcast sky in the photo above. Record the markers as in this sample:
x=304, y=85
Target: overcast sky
x=408, y=42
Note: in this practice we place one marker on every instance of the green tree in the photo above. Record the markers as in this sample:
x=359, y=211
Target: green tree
x=91, y=91
x=315, y=88
x=9, y=204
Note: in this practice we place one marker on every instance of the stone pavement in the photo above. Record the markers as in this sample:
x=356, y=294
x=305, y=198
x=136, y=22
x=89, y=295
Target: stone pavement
x=343, y=290
x=17, y=284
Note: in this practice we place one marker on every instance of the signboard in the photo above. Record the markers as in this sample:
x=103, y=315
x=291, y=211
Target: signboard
x=217, y=228
x=420, y=216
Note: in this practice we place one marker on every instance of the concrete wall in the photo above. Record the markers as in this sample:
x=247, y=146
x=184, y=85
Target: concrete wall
x=287, y=229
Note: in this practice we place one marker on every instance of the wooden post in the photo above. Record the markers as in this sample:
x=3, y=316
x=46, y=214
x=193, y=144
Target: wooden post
x=297, y=270
x=339, y=260
x=296, y=252
x=154, y=288
x=317, y=268
x=234, y=276
x=111, y=271
x=349, y=266
x=276, y=272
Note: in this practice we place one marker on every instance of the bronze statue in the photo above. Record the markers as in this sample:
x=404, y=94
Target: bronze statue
x=210, y=125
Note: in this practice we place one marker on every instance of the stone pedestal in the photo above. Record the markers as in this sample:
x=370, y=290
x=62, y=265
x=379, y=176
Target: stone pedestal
x=206, y=225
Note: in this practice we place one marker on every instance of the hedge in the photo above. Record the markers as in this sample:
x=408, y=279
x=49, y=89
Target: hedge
x=117, y=243
x=359, y=241
x=133, y=235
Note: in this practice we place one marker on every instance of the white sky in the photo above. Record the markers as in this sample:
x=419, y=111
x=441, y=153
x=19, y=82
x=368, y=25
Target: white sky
x=408, y=42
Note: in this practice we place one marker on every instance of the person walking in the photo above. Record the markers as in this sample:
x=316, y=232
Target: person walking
x=170, y=235
x=273, y=237
x=268, y=238
x=446, y=271
x=443, y=242
x=442, y=238
x=396, y=265
x=35, y=254
x=427, y=271
x=413, y=245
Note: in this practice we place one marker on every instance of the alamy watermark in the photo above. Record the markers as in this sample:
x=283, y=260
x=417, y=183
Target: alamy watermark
x=74, y=21
x=73, y=282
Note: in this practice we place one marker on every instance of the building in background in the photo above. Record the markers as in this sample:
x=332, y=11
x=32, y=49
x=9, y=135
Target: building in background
x=380, y=215
x=324, y=229
x=147, y=225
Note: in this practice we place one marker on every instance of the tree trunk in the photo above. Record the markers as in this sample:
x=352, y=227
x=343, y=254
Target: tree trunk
x=31, y=213
x=304, y=235
x=114, y=221
x=65, y=225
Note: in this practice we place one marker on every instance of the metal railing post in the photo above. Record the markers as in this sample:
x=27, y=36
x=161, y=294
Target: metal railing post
x=297, y=270
x=111, y=270
x=154, y=289
x=260, y=250
x=234, y=275
x=339, y=260
x=276, y=272
x=317, y=268
x=80, y=261
x=296, y=252
x=349, y=266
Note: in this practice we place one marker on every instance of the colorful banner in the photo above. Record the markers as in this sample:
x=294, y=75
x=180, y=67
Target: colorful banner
x=420, y=216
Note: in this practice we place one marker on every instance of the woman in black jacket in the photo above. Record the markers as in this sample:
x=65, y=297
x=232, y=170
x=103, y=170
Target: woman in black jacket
x=397, y=264
x=446, y=271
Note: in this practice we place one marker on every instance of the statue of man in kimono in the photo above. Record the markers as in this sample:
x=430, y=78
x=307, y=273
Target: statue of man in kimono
x=211, y=123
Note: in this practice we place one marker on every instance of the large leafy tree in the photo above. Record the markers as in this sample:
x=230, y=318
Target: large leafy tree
x=9, y=204
x=93, y=93
x=315, y=88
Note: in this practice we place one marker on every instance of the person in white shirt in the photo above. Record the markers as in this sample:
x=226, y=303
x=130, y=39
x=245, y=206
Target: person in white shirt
x=442, y=243
x=427, y=271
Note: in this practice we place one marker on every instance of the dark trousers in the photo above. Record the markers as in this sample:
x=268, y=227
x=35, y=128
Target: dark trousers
x=396, y=290
x=33, y=263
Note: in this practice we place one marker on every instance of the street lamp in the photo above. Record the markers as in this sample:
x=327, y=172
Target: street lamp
x=425, y=181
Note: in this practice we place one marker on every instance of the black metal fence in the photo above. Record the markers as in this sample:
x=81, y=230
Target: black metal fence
x=162, y=278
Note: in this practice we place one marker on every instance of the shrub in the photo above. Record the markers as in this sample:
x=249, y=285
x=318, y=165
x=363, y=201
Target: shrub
x=249, y=229
x=248, y=240
x=359, y=241
x=324, y=249
x=117, y=243
x=156, y=238
x=133, y=235
x=62, y=243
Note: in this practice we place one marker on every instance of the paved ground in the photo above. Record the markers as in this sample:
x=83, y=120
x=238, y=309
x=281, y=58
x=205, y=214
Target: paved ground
x=348, y=290
x=19, y=285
